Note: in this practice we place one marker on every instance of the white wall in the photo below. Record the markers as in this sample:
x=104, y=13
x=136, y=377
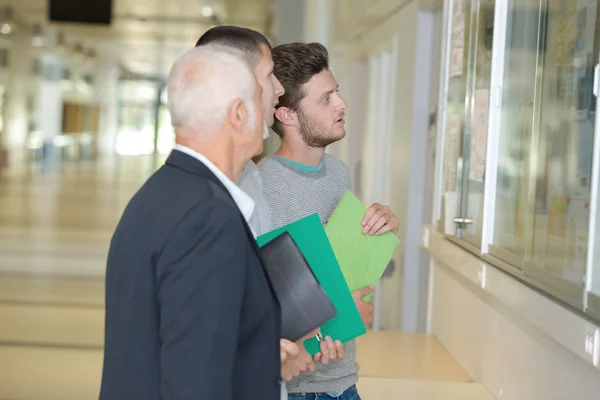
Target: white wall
x=49, y=116
x=519, y=343
x=316, y=21
x=289, y=21
x=351, y=73
x=358, y=35
x=18, y=88
x=508, y=353
x=295, y=21
x=514, y=357
x=340, y=65
x=107, y=90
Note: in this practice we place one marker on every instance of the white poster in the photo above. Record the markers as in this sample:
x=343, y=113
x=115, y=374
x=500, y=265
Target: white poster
x=451, y=152
x=457, y=42
x=479, y=129
x=456, y=62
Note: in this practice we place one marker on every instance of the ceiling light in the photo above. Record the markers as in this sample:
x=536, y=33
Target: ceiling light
x=60, y=43
x=207, y=12
x=78, y=53
x=6, y=28
x=38, y=41
x=6, y=20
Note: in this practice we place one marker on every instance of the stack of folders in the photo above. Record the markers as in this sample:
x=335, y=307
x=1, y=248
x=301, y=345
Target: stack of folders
x=304, y=304
x=314, y=270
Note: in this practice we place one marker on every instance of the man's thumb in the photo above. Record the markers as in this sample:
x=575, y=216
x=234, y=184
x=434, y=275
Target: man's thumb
x=290, y=348
x=360, y=293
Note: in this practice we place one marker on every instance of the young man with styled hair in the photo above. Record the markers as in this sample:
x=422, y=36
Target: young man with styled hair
x=301, y=179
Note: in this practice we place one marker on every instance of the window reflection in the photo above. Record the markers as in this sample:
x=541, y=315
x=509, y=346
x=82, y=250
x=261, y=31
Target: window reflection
x=478, y=106
x=566, y=136
x=138, y=120
x=516, y=125
x=546, y=124
x=467, y=111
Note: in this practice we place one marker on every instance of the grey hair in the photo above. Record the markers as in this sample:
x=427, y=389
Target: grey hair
x=203, y=84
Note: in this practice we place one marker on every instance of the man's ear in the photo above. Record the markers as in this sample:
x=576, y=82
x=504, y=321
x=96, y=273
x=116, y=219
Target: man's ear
x=285, y=115
x=238, y=116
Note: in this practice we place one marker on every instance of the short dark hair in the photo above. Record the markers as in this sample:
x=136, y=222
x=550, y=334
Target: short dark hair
x=295, y=64
x=246, y=40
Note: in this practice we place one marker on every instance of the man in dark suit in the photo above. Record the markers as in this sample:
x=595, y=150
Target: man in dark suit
x=189, y=311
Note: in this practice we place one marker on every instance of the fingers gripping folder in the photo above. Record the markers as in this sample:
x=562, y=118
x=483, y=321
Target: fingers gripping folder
x=319, y=337
x=320, y=296
x=304, y=304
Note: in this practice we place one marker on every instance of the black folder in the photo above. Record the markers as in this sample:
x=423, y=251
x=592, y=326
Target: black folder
x=304, y=304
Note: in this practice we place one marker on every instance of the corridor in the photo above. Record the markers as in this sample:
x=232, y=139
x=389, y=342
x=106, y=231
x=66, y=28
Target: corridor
x=54, y=234
x=475, y=121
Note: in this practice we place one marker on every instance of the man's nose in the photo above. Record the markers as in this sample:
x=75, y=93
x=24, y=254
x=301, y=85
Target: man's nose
x=279, y=89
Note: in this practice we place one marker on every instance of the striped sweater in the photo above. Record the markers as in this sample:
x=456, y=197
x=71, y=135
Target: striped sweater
x=294, y=191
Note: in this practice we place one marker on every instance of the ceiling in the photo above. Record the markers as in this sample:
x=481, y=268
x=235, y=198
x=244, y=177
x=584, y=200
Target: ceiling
x=147, y=35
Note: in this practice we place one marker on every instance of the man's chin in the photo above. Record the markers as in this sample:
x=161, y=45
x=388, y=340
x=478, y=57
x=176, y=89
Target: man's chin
x=337, y=137
x=266, y=130
x=324, y=142
x=270, y=120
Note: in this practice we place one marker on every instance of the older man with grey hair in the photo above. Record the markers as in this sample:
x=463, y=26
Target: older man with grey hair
x=256, y=50
x=189, y=311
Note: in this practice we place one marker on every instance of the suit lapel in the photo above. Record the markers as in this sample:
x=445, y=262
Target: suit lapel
x=187, y=163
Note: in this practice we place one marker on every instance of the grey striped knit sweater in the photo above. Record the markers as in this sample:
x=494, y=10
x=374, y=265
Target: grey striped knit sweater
x=292, y=193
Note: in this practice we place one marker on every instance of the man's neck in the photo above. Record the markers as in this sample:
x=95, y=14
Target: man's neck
x=217, y=153
x=301, y=153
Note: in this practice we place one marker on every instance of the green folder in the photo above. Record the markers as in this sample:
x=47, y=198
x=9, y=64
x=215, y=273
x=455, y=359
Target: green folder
x=309, y=235
x=362, y=258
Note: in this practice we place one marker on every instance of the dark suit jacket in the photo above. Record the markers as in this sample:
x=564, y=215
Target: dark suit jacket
x=189, y=311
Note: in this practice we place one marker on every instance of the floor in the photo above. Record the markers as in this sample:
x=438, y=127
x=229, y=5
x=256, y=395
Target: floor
x=54, y=233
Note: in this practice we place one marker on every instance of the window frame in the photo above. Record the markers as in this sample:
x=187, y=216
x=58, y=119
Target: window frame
x=579, y=297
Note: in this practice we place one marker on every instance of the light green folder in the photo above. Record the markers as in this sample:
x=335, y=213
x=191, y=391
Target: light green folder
x=309, y=235
x=362, y=258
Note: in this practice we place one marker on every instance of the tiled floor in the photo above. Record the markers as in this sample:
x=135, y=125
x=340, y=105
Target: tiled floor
x=54, y=234
x=406, y=356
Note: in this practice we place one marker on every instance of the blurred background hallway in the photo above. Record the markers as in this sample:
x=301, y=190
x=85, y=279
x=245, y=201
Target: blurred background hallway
x=55, y=231
x=474, y=120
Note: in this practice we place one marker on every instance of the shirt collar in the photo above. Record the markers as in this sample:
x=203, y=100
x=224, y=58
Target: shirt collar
x=242, y=200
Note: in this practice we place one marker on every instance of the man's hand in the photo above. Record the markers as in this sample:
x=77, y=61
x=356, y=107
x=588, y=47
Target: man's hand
x=330, y=351
x=295, y=359
x=365, y=309
x=287, y=350
x=378, y=220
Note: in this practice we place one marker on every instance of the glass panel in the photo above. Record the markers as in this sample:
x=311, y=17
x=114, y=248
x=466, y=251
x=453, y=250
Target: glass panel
x=595, y=288
x=466, y=116
x=594, y=268
x=546, y=120
x=476, y=128
x=455, y=112
x=166, y=135
x=567, y=110
x=137, y=118
x=516, y=126
x=136, y=130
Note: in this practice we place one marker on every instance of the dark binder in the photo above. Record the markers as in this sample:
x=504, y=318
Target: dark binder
x=304, y=304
